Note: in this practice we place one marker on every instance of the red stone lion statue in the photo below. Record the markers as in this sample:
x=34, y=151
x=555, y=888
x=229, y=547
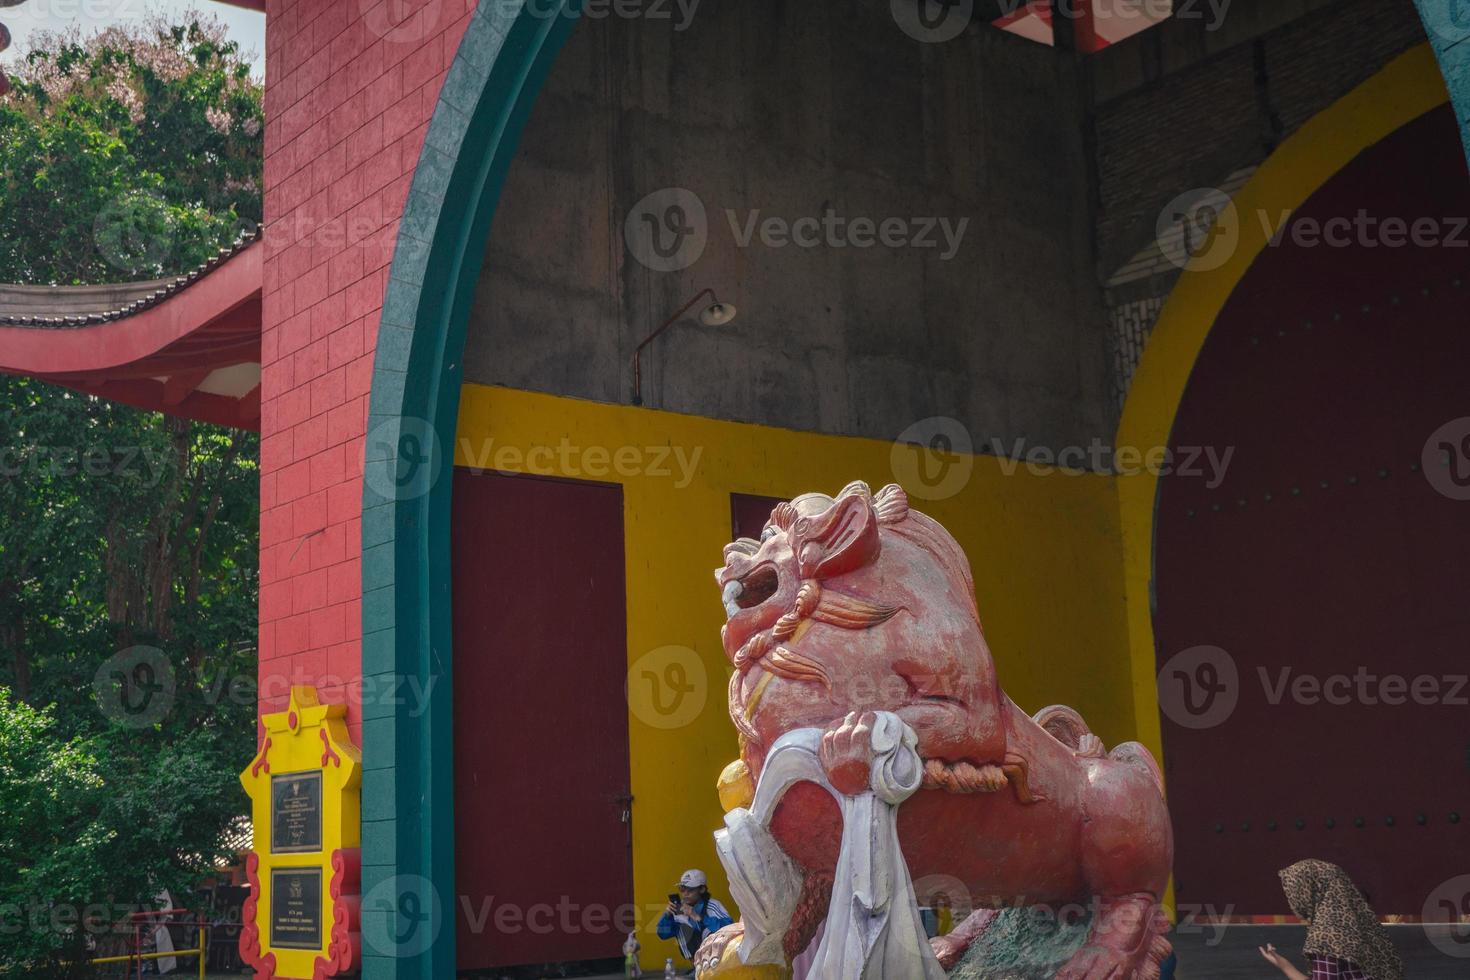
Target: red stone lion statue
x=856, y=604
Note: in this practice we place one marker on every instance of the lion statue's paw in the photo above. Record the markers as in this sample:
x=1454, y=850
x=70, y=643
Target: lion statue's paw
x=718, y=958
x=947, y=950
x=1096, y=962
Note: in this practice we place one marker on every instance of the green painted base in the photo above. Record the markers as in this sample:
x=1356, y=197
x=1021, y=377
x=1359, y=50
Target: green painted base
x=1023, y=944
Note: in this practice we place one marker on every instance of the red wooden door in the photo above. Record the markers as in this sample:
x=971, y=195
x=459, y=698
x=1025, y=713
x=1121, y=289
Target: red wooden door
x=542, y=850
x=1328, y=565
x=749, y=513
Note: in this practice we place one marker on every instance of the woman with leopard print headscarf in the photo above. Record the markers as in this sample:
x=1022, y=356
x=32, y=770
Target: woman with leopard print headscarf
x=1344, y=938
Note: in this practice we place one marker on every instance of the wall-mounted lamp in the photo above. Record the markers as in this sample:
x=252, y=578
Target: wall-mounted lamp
x=716, y=314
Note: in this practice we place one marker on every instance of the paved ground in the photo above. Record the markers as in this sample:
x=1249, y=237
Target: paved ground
x=1229, y=953
x=1232, y=953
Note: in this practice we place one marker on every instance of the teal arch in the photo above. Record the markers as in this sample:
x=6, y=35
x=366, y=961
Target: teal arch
x=407, y=788
x=407, y=793
x=1447, y=23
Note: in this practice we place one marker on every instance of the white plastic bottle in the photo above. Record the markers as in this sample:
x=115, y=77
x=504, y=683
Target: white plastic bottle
x=669, y=973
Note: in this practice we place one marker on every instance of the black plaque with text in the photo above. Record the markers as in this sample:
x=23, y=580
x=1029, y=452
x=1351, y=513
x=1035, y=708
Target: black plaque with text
x=296, y=812
x=296, y=908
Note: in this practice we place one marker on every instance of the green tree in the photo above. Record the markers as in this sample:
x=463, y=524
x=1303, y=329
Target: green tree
x=130, y=154
x=128, y=540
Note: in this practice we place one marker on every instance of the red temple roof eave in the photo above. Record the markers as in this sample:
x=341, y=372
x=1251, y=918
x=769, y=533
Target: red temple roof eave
x=160, y=357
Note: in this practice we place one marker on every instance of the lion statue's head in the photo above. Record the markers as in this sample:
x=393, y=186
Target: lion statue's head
x=850, y=603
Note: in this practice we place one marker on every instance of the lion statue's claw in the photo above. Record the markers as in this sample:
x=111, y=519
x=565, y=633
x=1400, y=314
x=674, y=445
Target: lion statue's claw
x=1097, y=962
x=847, y=752
x=711, y=952
x=947, y=950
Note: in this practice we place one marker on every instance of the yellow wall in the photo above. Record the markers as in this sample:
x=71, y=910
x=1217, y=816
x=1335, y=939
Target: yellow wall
x=1044, y=547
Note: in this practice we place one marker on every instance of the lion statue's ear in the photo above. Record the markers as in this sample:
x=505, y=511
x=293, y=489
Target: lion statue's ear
x=841, y=539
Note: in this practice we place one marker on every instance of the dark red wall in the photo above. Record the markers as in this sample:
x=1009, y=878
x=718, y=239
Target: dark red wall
x=540, y=720
x=1327, y=549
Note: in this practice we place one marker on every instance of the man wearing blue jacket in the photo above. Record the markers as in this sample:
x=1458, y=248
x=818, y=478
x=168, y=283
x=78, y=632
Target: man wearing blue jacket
x=694, y=916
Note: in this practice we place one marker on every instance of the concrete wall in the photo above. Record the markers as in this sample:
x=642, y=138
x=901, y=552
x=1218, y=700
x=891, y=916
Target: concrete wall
x=800, y=110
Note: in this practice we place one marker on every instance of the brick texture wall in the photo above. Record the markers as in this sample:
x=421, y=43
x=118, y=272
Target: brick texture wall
x=350, y=88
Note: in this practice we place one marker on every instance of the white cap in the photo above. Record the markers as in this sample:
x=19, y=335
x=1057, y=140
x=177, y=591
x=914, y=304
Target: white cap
x=693, y=878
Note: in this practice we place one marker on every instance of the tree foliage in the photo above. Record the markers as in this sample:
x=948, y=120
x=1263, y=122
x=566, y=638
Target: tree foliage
x=128, y=540
x=130, y=154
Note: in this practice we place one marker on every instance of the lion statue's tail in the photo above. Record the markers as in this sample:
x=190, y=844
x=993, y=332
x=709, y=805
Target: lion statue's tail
x=1066, y=726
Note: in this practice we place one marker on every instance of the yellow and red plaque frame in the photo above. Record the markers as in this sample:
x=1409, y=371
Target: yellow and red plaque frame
x=305, y=807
